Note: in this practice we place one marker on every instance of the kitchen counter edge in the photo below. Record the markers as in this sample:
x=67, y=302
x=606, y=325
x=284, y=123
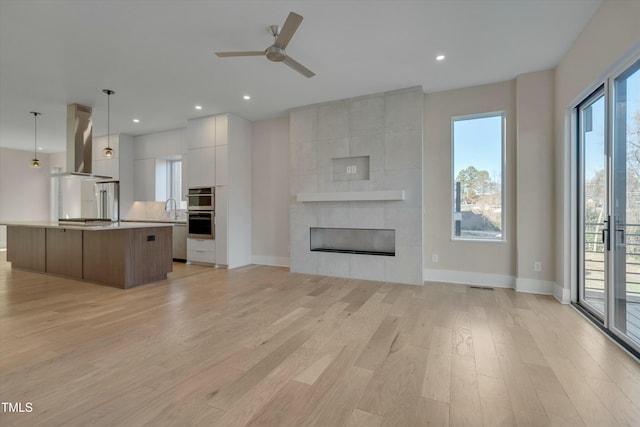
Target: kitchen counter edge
x=87, y=227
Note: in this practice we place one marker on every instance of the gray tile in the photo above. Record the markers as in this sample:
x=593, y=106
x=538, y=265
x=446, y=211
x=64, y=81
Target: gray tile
x=364, y=215
x=408, y=225
x=375, y=182
x=406, y=266
x=333, y=120
x=333, y=264
x=326, y=184
x=333, y=214
x=302, y=216
x=403, y=110
x=303, y=184
x=303, y=158
x=329, y=149
x=303, y=124
x=302, y=259
x=409, y=180
x=366, y=114
x=367, y=267
x=403, y=150
x=370, y=144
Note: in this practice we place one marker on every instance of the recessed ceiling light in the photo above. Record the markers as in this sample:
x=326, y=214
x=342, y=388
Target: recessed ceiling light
x=246, y=97
x=40, y=148
x=136, y=120
x=440, y=58
x=198, y=107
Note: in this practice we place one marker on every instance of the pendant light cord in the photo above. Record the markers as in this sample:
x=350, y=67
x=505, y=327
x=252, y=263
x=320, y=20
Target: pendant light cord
x=109, y=92
x=35, y=133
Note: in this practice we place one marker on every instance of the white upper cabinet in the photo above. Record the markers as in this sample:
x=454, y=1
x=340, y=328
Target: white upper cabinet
x=202, y=167
x=222, y=129
x=221, y=165
x=144, y=176
x=201, y=132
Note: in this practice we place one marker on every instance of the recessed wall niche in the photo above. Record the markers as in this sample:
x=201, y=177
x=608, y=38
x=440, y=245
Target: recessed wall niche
x=350, y=169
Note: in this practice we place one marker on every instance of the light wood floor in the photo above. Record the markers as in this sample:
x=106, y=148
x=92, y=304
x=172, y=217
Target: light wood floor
x=260, y=346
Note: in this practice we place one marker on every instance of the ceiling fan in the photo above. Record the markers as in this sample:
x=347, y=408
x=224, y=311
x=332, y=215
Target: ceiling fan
x=276, y=52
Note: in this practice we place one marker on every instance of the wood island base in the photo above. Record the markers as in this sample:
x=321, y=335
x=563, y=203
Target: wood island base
x=118, y=256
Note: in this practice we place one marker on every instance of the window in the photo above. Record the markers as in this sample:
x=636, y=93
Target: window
x=478, y=171
x=174, y=180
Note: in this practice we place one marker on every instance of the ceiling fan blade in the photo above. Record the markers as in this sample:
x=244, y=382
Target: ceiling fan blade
x=298, y=67
x=288, y=30
x=248, y=53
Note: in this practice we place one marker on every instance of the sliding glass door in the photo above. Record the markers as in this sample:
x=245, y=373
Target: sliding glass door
x=594, y=202
x=625, y=218
x=609, y=204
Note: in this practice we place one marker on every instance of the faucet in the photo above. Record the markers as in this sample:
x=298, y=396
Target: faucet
x=175, y=207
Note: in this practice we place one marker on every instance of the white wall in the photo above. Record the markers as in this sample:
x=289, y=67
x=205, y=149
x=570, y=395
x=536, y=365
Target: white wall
x=270, y=188
x=612, y=32
x=462, y=261
x=24, y=191
x=535, y=185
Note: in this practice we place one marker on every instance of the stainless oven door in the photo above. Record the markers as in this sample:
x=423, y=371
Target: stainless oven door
x=201, y=199
x=200, y=225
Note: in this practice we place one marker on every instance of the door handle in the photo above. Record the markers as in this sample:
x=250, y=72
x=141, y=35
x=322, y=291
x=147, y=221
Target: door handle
x=606, y=235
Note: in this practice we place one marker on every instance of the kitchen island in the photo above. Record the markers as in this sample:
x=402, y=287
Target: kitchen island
x=120, y=254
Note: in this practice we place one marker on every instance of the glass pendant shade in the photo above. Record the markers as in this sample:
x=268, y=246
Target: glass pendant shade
x=35, y=163
x=108, y=152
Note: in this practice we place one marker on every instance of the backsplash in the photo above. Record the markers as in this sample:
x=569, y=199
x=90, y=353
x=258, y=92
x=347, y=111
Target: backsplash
x=155, y=211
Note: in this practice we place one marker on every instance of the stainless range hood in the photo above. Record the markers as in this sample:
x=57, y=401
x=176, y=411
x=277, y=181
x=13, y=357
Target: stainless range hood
x=79, y=144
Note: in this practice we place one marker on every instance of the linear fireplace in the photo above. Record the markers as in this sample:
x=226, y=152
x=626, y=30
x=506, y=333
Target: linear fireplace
x=362, y=241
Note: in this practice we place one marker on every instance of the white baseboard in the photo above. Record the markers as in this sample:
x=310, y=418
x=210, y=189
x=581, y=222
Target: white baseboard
x=563, y=295
x=531, y=286
x=534, y=286
x=275, y=261
x=469, y=278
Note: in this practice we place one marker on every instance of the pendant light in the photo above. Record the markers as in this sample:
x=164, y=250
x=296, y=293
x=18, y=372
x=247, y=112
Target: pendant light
x=35, y=163
x=108, y=152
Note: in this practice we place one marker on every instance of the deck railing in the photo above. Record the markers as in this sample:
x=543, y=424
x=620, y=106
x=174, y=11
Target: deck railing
x=594, y=257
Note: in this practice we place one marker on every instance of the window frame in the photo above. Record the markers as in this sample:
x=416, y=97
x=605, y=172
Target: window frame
x=503, y=174
x=171, y=176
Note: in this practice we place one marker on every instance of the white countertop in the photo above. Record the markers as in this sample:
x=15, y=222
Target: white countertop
x=160, y=221
x=89, y=227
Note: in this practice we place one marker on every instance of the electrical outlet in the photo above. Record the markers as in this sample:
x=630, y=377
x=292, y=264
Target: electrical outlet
x=349, y=170
x=434, y=258
x=537, y=266
x=354, y=169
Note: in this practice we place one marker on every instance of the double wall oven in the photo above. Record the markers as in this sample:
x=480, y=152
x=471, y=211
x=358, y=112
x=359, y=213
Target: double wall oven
x=201, y=212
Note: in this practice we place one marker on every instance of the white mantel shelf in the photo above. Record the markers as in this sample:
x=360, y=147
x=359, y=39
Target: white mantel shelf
x=351, y=196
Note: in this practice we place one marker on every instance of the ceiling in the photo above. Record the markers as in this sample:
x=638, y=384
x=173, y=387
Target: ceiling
x=159, y=57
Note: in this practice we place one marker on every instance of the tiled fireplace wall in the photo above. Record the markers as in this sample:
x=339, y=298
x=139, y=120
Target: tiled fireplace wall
x=386, y=127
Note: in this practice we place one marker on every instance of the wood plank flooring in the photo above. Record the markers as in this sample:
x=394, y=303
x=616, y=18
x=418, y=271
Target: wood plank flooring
x=260, y=346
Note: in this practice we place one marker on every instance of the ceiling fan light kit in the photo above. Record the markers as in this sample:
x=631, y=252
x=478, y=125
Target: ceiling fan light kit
x=276, y=52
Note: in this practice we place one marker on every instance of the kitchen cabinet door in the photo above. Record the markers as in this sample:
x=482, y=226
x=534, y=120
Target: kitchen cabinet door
x=144, y=188
x=222, y=129
x=222, y=232
x=201, y=132
x=180, y=241
x=26, y=248
x=221, y=165
x=202, y=167
x=64, y=252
